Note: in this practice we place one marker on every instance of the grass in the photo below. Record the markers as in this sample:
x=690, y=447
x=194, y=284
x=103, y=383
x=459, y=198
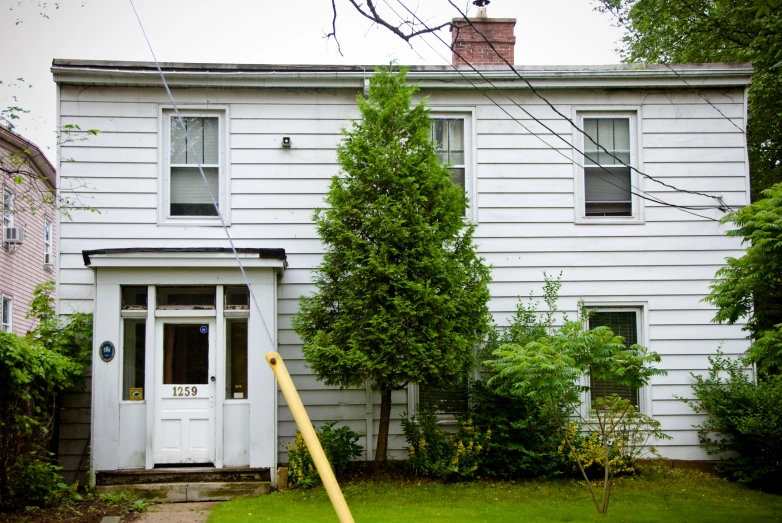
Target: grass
x=659, y=496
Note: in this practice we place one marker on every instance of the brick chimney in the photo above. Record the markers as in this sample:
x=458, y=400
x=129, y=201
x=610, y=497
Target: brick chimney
x=473, y=47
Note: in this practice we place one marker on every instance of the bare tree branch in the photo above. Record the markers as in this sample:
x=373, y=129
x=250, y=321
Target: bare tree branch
x=370, y=12
x=333, y=32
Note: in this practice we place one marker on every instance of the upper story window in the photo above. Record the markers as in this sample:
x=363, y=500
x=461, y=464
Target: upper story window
x=607, y=182
x=48, y=258
x=186, y=197
x=7, y=314
x=448, y=137
x=8, y=209
x=451, y=134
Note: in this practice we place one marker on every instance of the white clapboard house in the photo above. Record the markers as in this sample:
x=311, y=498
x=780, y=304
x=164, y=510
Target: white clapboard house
x=178, y=373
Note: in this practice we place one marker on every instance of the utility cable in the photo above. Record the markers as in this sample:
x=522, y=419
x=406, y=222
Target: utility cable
x=644, y=196
x=722, y=205
x=662, y=62
x=203, y=177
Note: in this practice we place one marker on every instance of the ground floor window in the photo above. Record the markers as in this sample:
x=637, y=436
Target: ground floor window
x=7, y=314
x=624, y=323
x=133, y=358
x=236, y=358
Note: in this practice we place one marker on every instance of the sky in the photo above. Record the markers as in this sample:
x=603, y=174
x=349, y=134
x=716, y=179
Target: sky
x=550, y=32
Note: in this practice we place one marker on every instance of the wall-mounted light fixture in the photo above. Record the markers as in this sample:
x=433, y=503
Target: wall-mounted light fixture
x=286, y=142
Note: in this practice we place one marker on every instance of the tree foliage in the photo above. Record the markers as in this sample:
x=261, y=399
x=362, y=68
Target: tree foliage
x=744, y=423
x=547, y=367
x=33, y=370
x=683, y=31
x=750, y=287
x=402, y=293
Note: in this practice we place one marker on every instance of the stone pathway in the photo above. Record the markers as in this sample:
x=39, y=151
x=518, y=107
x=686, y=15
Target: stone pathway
x=177, y=513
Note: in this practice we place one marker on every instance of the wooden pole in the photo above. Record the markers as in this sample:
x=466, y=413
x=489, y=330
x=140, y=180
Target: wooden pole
x=310, y=438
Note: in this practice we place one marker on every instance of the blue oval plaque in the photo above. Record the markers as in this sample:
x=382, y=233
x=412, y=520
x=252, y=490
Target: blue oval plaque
x=203, y=329
x=106, y=351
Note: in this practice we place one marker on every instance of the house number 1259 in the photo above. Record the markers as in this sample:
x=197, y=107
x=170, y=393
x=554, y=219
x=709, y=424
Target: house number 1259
x=185, y=391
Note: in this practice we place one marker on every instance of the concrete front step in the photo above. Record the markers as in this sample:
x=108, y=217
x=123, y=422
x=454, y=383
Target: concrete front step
x=197, y=491
x=181, y=475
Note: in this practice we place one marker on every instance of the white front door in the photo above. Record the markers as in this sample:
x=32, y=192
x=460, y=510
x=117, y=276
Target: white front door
x=184, y=390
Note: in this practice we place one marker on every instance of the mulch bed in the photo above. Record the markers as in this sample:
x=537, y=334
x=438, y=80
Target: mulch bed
x=87, y=511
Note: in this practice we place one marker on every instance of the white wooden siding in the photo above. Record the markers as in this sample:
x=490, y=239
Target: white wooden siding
x=525, y=205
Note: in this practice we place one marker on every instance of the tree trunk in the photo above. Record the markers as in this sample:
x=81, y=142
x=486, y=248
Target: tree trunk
x=382, y=433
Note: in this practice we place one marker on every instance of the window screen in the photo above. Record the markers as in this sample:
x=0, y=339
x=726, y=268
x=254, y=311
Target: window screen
x=188, y=194
x=625, y=324
x=447, y=400
x=607, y=179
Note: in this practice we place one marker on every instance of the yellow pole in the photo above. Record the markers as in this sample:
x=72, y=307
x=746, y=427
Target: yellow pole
x=310, y=438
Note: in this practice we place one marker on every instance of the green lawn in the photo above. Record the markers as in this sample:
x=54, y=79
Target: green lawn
x=669, y=496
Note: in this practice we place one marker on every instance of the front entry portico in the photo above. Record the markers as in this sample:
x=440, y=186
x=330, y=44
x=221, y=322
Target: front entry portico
x=188, y=384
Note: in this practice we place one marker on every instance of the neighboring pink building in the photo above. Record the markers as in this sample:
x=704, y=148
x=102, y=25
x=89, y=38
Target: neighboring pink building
x=26, y=216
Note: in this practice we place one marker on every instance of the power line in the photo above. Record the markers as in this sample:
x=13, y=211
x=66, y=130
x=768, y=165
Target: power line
x=648, y=48
x=644, y=196
x=203, y=178
x=722, y=205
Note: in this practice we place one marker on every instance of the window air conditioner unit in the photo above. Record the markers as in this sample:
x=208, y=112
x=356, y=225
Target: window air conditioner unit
x=13, y=235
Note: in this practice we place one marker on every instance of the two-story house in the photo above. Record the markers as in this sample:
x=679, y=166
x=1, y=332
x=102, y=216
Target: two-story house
x=623, y=209
x=29, y=246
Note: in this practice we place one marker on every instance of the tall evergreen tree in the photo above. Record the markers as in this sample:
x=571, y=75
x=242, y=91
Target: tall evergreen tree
x=402, y=295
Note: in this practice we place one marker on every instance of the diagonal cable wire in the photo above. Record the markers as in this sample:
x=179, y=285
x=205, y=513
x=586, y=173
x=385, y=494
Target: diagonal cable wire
x=203, y=177
x=644, y=196
x=722, y=205
x=674, y=71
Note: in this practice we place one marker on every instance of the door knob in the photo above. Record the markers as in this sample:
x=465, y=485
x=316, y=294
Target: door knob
x=212, y=378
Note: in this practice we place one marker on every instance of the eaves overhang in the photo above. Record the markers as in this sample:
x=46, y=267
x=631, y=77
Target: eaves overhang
x=145, y=74
x=201, y=258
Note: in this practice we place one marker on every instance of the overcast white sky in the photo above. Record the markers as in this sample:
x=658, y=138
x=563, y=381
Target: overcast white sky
x=254, y=31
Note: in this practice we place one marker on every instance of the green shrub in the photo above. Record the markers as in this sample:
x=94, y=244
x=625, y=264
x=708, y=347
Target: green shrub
x=435, y=453
x=34, y=369
x=743, y=418
x=340, y=447
x=524, y=438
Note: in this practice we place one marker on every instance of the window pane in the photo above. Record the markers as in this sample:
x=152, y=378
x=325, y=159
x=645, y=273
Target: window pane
x=236, y=359
x=458, y=176
x=185, y=354
x=134, y=297
x=440, y=138
x=607, y=191
x=204, y=141
x=201, y=297
x=237, y=297
x=447, y=400
x=8, y=206
x=456, y=141
x=625, y=324
x=189, y=194
x=133, y=358
x=7, y=314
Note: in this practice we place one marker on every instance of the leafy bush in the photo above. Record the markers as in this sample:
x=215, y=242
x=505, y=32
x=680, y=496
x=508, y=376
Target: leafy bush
x=33, y=370
x=340, y=446
x=627, y=440
x=743, y=417
x=524, y=438
x=435, y=453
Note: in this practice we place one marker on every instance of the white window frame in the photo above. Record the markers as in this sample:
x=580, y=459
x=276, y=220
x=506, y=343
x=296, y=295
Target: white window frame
x=48, y=241
x=641, y=308
x=7, y=301
x=467, y=114
x=166, y=112
x=8, y=210
x=633, y=113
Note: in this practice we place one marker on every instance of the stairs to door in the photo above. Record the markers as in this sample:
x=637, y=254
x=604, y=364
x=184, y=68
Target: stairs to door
x=186, y=483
